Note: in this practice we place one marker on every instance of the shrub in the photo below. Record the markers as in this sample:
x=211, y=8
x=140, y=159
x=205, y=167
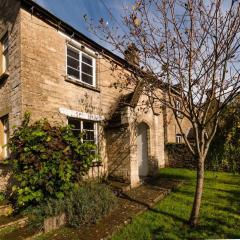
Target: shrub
x=88, y=203
x=84, y=204
x=2, y=197
x=47, y=161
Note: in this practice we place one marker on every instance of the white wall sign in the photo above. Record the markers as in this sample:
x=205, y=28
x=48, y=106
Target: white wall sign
x=82, y=115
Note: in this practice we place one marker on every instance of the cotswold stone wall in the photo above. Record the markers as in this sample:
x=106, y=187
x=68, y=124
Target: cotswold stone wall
x=5, y=175
x=46, y=89
x=172, y=128
x=178, y=155
x=118, y=149
x=10, y=87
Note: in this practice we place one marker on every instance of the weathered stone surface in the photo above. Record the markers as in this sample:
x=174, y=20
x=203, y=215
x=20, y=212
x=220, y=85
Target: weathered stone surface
x=6, y=210
x=10, y=88
x=53, y=223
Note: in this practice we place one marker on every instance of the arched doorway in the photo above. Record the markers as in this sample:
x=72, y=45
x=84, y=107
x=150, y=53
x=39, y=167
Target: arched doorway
x=142, y=149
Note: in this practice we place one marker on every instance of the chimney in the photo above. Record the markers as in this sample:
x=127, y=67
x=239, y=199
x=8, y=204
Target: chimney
x=131, y=54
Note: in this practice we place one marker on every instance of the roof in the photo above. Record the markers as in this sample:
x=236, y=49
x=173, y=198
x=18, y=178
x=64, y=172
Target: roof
x=40, y=12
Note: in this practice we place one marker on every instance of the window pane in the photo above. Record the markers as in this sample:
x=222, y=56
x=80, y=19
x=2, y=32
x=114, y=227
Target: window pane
x=72, y=62
x=72, y=53
x=87, y=79
x=5, y=42
x=75, y=123
x=5, y=60
x=87, y=69
x=73, y=72
x=88, y=136
x=76, y=133
x=4, y=132
x=88, y=125
x=86, y=59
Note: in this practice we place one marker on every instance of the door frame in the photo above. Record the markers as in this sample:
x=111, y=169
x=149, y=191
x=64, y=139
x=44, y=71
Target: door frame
x=147, y=129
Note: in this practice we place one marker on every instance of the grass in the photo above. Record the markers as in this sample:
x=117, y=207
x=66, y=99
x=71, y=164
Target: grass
x=5, y=231
x=220, y=211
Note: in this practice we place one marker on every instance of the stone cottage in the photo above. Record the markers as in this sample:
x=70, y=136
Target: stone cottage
x=50, y=69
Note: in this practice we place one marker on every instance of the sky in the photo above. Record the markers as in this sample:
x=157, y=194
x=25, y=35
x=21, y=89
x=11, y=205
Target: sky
x=73, y=11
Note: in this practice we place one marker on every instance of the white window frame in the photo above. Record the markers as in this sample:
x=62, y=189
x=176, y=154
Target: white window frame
x=5, y=52
x=80, y=66
x=5, y=122
x=178, y=138
x=95, y=126
x=178, y=108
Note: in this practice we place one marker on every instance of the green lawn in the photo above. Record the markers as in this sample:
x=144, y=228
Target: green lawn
x=220, y=212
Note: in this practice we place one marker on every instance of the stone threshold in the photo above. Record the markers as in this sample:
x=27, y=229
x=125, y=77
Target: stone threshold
x=18, y=223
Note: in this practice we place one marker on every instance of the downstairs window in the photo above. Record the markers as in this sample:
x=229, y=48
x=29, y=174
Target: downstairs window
x=87, y=128
x=4, y=136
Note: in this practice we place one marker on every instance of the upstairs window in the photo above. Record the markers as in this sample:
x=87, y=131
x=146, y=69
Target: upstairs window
x=178, y=138
x=81, y=66
x=4, y=53
x=178, y=108
x=4, y=136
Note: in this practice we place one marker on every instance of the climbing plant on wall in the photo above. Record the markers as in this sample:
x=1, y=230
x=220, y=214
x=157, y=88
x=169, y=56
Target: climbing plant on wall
x=47, y=161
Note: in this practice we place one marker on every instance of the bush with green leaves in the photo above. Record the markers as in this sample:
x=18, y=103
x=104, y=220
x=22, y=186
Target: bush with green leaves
x=84, y=204
x=88, y=203
x=2, y=197
x=47, y=161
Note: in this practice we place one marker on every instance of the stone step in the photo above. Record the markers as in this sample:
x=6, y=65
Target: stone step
x=29, y=232
x=118, y=187
x=24, y=233
x=17, y=222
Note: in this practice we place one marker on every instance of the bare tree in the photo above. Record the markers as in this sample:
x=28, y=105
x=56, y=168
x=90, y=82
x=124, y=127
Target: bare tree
x=189, y=48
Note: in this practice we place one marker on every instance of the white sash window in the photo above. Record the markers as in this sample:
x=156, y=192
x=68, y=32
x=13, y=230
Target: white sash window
x=81, y=66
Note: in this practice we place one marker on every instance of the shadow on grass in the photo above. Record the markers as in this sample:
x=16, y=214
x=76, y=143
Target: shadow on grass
x=176, y=176
x=234, y=181
x=173, y=216
x=229, y=195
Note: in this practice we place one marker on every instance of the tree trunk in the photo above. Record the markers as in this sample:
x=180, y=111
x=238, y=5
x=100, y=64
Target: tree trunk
x=193, y=221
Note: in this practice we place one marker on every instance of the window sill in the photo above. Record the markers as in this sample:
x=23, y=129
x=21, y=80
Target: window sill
x=96, y=164
x=4, y=76
x=71, y=80
x=180, y=116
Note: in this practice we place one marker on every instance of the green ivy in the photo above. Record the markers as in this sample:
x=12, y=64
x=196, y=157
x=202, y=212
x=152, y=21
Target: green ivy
x=47, y=161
